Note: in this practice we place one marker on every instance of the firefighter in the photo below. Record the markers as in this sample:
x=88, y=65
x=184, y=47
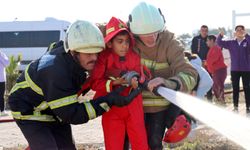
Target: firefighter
x=44, y=101
x=163, y=55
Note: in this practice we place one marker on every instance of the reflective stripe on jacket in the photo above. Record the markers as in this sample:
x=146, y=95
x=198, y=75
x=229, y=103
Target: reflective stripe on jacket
x=166, y=60
x=47, y=91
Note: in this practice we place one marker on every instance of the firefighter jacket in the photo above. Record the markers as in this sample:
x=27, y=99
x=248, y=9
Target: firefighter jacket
x=110, y=66
x=166, y=60
x=47, y=91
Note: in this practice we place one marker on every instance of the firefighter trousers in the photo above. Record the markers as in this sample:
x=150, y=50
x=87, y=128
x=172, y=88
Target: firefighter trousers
x=156, y=124
x=47, y=135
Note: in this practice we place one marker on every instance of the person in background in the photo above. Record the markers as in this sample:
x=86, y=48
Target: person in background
x=239, y=49
x=163, y=55
x=112, y=70
x=199, y=47
x=205, y=82
x=4, y=62
x=216, y=66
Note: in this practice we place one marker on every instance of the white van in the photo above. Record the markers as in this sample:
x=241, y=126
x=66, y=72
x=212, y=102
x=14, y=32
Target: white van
x=30, y=38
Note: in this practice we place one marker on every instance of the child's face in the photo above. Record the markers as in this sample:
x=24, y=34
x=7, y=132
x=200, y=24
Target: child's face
x=120, y=44
x=210, y=43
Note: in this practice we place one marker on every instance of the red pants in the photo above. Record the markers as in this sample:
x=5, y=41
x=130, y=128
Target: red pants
x=120, y=120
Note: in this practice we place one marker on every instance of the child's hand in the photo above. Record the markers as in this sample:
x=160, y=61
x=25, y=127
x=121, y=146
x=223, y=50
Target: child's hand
x=120, y=81
x=134, y=82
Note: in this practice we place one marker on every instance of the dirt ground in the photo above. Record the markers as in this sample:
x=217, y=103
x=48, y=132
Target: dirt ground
x=89, y=136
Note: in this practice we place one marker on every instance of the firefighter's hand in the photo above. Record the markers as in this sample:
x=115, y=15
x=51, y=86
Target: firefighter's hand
x=168, y=83
x=155, y=83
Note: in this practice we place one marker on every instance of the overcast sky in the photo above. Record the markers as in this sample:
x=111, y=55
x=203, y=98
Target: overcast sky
x=182, y=16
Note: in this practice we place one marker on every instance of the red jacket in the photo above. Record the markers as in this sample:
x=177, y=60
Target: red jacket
x=109, y=65
x=215, y=59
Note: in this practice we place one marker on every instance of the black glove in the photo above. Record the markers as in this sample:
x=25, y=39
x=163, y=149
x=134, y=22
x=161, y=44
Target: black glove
x=99, y=105
x=114, y=97
x=120, y=101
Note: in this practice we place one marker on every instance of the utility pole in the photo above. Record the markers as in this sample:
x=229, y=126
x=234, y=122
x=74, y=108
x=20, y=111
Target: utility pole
x=234, y=15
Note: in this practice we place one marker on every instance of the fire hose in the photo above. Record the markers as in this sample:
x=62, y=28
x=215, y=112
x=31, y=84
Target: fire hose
x=229, y=124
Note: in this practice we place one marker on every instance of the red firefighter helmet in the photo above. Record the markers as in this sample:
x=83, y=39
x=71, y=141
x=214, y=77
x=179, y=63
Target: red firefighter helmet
x=115, y=26
x=179, y=130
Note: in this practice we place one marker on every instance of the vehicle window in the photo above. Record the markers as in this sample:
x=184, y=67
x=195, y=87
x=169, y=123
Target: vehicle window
x=28, y=38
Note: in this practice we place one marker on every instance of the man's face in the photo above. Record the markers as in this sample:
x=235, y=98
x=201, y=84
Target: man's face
x=87, y=60
x=149, y=39
x=240, y=32
x=204, y=32
x=120, y=44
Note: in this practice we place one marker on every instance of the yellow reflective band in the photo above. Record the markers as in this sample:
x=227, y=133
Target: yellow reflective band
x=90, y=110
x=19, y=85
x=105, y=106
x=35, y=116
x=188, y=80
x=51, y=46
x=155, y=102
x=112, y=78
x=108, y=85
x=44, y=105
x=154, y=65
x=63, y=101
x=32, y=85
x=110, y=30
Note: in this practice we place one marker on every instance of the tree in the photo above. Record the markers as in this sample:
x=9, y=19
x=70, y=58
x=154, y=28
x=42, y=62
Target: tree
x=185, y=39
x=12, y=72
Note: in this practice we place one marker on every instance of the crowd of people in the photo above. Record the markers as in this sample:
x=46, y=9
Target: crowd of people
x=209, y=49
x=124, y=63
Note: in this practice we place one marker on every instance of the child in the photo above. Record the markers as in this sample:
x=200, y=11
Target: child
x=118, y=59
x=205, y=82
x=217, y=67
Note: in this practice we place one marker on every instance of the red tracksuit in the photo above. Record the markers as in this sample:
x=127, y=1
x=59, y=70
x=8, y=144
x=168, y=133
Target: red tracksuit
x=119, y=120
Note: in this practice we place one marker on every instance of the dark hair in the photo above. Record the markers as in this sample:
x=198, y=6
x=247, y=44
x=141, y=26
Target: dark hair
x=211, y=37
x=189, y=55
x=102, y=28
x=204, y=26
x=239, y=26
x=124, y=32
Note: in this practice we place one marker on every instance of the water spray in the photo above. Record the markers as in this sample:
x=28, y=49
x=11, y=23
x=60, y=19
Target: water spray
x=229, y=124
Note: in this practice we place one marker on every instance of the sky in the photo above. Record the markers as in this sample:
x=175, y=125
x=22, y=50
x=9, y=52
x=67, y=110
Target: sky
x=182, y=16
